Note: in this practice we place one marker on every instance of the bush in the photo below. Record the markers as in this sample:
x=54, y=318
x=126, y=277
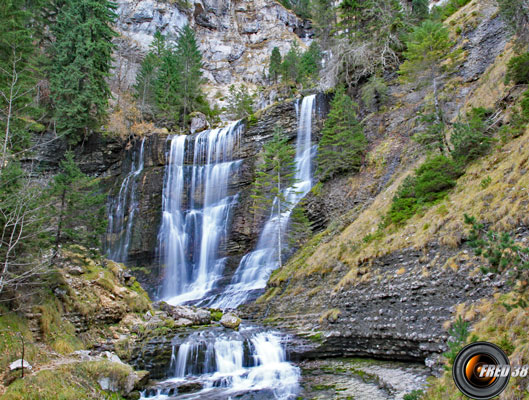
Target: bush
x=471, y=138
x=414, y=395
x=518, y=70
x=428, y=185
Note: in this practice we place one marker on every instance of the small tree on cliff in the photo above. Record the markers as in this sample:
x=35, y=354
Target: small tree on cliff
x=428, y=47
x=343, y=143
x=275, y=174
x=274, y=68
x=79, y=208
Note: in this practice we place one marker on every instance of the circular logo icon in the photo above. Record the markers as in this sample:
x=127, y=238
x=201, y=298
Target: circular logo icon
x=481, y=370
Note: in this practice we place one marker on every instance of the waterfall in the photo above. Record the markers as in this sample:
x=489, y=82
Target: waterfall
x=196, y=212
x=228, y=363
x=255, y=267
x=123, y=208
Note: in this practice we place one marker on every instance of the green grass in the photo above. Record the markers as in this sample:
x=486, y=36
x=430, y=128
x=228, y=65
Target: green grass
x=76, y=381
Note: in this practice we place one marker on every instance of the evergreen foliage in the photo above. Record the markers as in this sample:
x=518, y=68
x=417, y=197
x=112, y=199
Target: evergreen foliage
x=471, y=137
x=518, y=70
x=274, y=68
x=459, y=334
x=240, y=102
x=427, y=46
x=79, y=208
x=170, y=78
x=343, y=143
x=80, y=65
x=420, y=8
x=443, y=12
x=499, y=249
x=18, y=78
x=274, y=174
x=189, y=63
x=290, y=68
x=429, y=184
x=324, y=17
x=149, y=69
x=310, y=63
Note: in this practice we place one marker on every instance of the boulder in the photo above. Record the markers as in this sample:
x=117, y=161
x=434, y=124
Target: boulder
x=19, y=364
x=230, y=321
x=199, y=123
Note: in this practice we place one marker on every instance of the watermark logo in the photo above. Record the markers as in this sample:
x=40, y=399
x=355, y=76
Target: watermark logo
x=482, y=371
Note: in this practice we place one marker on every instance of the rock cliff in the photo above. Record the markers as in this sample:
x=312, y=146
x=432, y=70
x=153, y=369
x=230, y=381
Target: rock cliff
x=236, y=38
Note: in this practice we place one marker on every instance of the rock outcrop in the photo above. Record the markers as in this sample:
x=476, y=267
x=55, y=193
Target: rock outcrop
x=235, y=37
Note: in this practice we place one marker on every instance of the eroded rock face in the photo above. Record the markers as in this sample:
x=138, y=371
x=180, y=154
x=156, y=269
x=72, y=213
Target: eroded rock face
x=235, y=37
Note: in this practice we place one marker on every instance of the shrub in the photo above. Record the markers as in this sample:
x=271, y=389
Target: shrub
x=518, y=70
x=471, y=138
x=458, y=337
x=427, y=185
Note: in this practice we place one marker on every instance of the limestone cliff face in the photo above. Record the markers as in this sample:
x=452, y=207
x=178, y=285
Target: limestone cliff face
x=236, y=37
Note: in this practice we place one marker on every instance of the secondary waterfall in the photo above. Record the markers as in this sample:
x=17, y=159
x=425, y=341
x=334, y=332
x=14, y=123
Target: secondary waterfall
x=122, y=210
x=228, y=364
x=255, y=267
x=196, y=212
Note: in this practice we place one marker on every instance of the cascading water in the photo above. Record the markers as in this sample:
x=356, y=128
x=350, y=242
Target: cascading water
x=196, y=212
x=228, y=364
x=123, y=208
x=255, y=267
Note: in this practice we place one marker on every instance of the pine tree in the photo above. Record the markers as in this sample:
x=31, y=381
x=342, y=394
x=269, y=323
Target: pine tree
x=148, y=73
x=290, y=65
x=324, y=15
x=274, y=175
x=343, y=143
x=274, y=68
x=420, y=8
x=80, y=65
x=189, y=63
x=79, y=209
x=310, y=63
x=18, y=77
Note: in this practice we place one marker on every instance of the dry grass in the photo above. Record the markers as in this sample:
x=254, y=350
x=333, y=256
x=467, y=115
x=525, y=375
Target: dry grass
x=499, y=323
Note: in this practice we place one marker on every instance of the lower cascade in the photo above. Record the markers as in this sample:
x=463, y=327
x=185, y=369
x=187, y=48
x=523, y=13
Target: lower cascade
x=222, y=364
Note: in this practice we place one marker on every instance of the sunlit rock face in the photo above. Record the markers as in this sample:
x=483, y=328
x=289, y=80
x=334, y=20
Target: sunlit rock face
x=236, y=37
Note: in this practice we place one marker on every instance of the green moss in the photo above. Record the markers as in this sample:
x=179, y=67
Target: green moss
x=216, y=315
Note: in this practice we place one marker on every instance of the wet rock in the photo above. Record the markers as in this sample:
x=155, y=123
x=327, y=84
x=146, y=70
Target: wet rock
x=230, y=320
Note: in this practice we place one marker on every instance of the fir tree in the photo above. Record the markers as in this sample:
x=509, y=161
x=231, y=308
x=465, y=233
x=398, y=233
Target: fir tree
x=324, y=15
x=189, y=63
x=274, y=68
x=148, y=73
x=420, y=8
x=310, y=63
x=343, y=143
x=80, y=65
x=290, y=67
x=274, y=175
x=79, y=209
